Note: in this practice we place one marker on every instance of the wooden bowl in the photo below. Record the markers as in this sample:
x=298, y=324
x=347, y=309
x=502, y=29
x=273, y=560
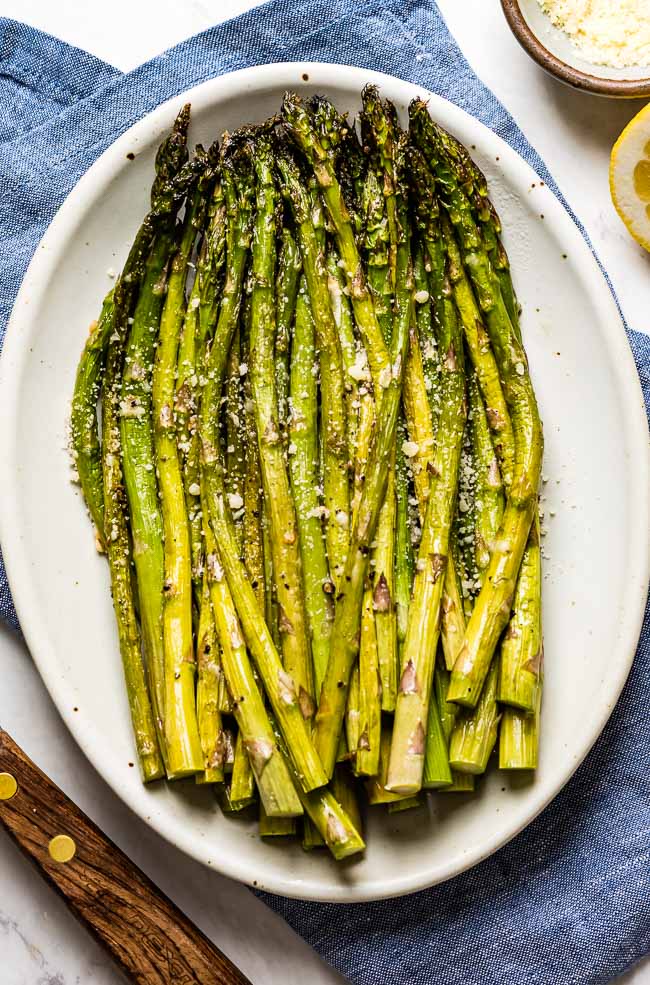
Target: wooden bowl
x=554, y=51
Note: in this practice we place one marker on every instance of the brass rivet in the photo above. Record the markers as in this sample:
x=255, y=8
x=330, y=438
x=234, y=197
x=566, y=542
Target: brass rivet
x=8, y=786
x=62, y=848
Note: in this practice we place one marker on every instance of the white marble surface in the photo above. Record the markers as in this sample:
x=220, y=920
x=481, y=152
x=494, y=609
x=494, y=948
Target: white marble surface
x=40, y=942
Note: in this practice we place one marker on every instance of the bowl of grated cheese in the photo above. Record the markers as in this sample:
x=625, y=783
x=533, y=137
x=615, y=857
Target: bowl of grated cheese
x=594, y=45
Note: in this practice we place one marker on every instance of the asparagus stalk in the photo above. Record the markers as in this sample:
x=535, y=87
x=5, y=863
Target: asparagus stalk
x=146, y=707
x=242, y=784
x=521, y=648
x=139, y=465
x=118, y=550
x=304, y=483
x=380, y=134
x=86, y=447
x=403, y=547
x=301, y=126
x=376, y=789
x=379, y=251
x=492, y=608
x=253, y=536
x=168, y=190
x=286, y=292
x=344, y=321
x=360, y=401
x=353, y=713
x=436, y=772
x=233, y=412
x=278, y=684
x=519, y=737
x=273, y=780
x=184, y=754
x=412, y=713
x=448, y=712
x=344, y=646
x=422, y=387
x=476, y=336
x=425, y=286
x=331, y=820
x=488, y=491
x=208, y=712
x=275, y=827
x=200, y=319
x=281, y=510
x=333, y=409
x=475, y=730
x=367, y=749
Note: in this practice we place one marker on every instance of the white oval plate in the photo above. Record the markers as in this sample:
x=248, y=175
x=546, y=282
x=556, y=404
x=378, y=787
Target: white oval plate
x=596, y=499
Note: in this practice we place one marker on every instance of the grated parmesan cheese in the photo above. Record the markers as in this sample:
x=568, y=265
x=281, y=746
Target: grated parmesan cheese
x=615, y=34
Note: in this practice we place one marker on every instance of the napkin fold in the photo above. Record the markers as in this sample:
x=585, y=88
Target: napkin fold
x=567, y=902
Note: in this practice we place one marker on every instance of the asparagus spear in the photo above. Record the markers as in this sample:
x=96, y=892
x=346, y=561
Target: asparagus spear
x=353, y=713
x=426, y=286
x=521, y=648
x=281, y=511
x=380, y=251
x=242, y=784
x=519, y=737
x=278, y=684
x=435, y=766
x=286, y=292
x=492, y=608
x=136, y=427
x=184, y=754
x=422, y=386
x=344, y=321
x=118, y=549
x=380, y=134
x=331, y=820
x=301, y=126
x=108, y=508
x=360, y=401
x=304, y=482
x=412, y=713
x=200, y=319
x=333, y=411
x=367, y=749
x=489, y=496
x=208, y=712
x=345, y=634
x=476, y=337
x=139, y=465
x=475, y=730
x=86, y=448
x=273, y=781
x=403, y=546
x=167, y=191
x=520, y=657
x=345, y=792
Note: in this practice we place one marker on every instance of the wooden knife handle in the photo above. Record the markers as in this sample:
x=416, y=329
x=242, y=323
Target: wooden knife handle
x=147, y=935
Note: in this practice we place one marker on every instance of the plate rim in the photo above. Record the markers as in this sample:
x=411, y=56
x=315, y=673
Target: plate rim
x=12, y=360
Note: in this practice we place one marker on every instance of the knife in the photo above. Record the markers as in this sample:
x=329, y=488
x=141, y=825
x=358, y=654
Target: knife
x=151, y=940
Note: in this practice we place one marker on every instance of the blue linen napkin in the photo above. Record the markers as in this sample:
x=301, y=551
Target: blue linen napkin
x=567, y=902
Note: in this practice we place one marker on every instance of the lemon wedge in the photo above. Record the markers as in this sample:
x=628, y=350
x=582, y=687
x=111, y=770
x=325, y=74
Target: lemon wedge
x=629, y=177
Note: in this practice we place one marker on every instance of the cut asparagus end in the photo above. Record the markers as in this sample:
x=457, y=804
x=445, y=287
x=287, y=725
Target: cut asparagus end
x=276, y=827
x=436, y=761
x=519, y=738
x=406, y=804
x=475, y=732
